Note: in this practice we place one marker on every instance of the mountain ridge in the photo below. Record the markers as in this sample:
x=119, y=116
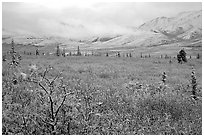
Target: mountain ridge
x=185, y=23
x=159, y=31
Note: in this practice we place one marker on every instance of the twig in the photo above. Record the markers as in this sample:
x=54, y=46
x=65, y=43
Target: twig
x=51, y=107
x=60, y=105
x=43, y=88
x=46, y=70
x=51, y=83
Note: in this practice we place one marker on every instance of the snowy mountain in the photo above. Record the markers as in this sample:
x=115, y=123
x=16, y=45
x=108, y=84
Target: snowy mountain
x=186, y=25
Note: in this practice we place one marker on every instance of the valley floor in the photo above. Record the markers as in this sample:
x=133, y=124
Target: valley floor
x=129, y=89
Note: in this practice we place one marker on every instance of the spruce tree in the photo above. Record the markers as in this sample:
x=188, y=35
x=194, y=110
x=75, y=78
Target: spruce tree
x=179, y=58
x=198, y=56
x=130, y=55
x=14, y=58
x=118, y=54
x=58, y=51
x=63, y=52
x=4, y=57
x=193, y=83
x=183, y=55
x=164, y=77
x=37, y=52
x=78, y=52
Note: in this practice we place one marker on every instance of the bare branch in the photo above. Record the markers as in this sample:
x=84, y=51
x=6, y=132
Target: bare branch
x=55, y=78
x=64, y=98
x=45, y=121
x=60, y=105
x=52, y=109
x=47, y=80
x=43, y=88
x=46, y=70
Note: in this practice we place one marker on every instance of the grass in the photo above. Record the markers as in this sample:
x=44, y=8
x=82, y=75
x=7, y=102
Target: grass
x=124, y=109
x=125, y=68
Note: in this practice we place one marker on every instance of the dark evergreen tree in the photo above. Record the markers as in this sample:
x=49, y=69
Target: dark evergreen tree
x=14, y=58
x=183, y=55
x=164, y=77
x=118, y=54
x=198, y=56
x=194, y=84
x=78, y=52
x=37, y=52
x=63, y=52
x=4, y=57
x=58, y=51
x=179, y=58
x=130, y=55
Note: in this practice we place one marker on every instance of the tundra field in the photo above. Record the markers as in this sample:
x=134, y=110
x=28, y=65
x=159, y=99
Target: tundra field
x=104, y=68
x=102, y=95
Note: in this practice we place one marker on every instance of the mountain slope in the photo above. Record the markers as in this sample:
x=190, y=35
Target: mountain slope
x=186, y=25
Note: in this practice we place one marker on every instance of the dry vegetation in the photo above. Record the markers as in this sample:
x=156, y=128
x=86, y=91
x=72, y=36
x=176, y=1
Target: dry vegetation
x=100, y=95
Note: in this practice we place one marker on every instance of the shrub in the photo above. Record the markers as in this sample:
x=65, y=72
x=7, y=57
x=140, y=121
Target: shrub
x=198, y=56
x=104, y=75
x=51, y=102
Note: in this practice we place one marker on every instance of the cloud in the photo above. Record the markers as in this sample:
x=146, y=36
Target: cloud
x=85, y=19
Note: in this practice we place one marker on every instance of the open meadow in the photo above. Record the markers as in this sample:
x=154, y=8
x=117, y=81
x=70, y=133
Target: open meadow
x=101, y=68
x=101, y=95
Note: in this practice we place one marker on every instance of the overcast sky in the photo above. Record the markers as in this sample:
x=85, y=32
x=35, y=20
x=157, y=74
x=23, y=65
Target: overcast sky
x=79, y=19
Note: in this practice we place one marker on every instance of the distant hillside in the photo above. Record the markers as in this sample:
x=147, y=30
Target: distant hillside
x=186, y=25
